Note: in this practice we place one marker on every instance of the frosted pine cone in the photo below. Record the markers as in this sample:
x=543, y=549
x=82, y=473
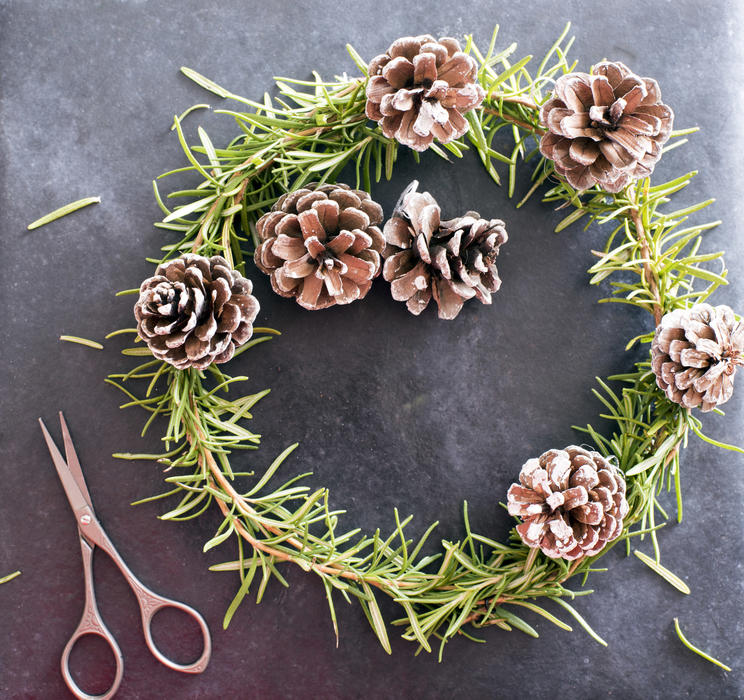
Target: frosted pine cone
x=195, y=311
x=451, y=260
x=695, y=354
x=321, y=245
x=606, y=128
x=571, y=502
x=420, y=88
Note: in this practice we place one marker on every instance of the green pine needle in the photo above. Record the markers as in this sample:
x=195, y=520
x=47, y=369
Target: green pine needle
x=9, y=577
x=81, y=341
x=63, y=211
x=699, y=652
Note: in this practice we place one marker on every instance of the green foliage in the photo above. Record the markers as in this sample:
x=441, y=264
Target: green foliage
x=311, y=131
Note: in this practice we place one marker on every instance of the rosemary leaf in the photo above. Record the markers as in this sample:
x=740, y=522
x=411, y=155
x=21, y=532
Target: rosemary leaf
x=63, y=211
x=699, y=652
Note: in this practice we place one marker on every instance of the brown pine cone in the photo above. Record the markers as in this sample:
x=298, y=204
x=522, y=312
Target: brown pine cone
x=420, y=88
x=452, y=260
x=195, y=311
x=695, y=353
x=606, y=128
x=571, y=502
x=321, y=244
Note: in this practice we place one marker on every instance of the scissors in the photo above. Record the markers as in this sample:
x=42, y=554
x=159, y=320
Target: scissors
x=93, y=535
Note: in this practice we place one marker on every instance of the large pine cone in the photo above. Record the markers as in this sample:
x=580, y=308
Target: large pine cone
x=195, y=311
x=695, y=353
x=606, y=128
x=321, y=245
x=452, y=260
x=420, y=88
x=572, y=502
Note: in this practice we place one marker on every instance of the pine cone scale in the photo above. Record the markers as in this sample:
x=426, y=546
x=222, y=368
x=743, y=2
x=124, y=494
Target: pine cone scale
x=310, y=225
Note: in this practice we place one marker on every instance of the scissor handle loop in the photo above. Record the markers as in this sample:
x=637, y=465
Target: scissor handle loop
x=151, y=603
x=91, y=623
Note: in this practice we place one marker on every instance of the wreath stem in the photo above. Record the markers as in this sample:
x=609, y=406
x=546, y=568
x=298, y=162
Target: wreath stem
x=247, y=511
x=514, y=120
x=649, y=275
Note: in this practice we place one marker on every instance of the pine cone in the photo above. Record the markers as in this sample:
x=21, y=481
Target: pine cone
x=195, y=311
x=420, y=89
x=606, y=128
x=453, y=260
x=695, y=353
x=572, y=503
x=321, y=245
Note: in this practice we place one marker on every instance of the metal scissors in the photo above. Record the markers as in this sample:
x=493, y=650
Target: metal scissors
x=93, y=535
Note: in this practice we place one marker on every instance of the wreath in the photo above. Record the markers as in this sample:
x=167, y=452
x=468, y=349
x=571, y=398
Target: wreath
x=273, y=196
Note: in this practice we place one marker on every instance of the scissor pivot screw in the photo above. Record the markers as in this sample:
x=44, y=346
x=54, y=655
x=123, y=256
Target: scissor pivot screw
x=85, y=519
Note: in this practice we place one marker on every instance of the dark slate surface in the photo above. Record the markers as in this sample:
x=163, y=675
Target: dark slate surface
x=390, y=410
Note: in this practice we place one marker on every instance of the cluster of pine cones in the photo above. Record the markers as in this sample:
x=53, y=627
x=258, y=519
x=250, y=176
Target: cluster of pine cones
x=322, y=245
x=602, y=128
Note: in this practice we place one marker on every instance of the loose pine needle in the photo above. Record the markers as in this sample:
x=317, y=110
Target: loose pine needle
x=667, y=575
x=81, y=341
x=63, y=211
x=10, y=577
x=699, y=652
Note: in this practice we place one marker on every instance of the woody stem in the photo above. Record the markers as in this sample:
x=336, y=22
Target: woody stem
x=648, y=274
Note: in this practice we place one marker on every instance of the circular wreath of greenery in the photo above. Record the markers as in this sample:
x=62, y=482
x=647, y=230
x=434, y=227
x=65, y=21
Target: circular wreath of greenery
x=312, y=131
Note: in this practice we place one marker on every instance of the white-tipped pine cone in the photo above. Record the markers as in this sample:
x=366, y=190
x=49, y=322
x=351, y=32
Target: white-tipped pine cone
x=606, y=128
x=571, y=502
x=195, y=311
x=420, y=88
x=695, y=354
x=321, y=245
x=453, y=261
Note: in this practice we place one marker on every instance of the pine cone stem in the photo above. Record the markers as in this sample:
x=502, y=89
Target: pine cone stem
x=200, y=236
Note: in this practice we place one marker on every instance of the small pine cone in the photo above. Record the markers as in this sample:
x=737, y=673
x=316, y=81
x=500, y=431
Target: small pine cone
x=606, y=128
x=321, y=245
x=420, y=88
x=571, y=502
x=195, y=311
x=452, y=260
x=695, y=353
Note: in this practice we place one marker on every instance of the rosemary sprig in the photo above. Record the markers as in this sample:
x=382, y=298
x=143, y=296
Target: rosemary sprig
x=313, y=130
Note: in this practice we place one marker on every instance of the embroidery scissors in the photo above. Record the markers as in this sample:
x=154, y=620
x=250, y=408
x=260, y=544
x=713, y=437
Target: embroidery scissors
x=93, y=535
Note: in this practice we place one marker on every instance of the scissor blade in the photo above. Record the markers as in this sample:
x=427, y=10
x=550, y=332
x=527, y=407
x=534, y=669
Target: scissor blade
x=73, y=463
x=74, y=495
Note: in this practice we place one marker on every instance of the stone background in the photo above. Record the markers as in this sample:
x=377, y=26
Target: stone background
x=390, y=410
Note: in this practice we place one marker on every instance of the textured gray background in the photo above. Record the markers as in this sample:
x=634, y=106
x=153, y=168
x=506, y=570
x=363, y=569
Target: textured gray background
x=390, y=410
